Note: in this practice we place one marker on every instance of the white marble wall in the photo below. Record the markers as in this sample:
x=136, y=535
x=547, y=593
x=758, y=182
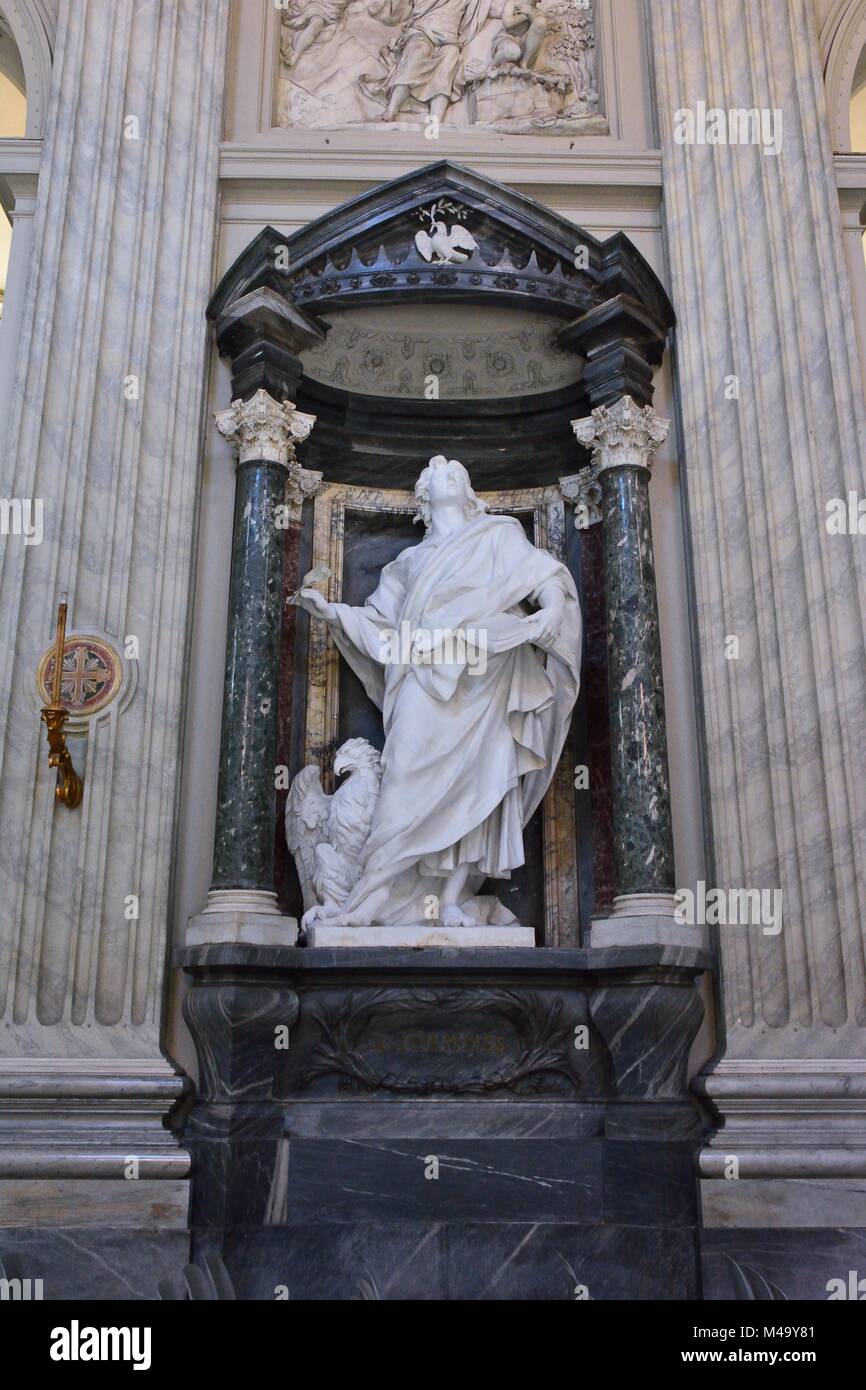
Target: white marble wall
x=123, y=235
x=760, y=286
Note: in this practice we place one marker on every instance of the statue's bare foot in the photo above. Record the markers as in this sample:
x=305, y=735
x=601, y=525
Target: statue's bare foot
x=322, y=912
x=348, y=919
x=452, y=916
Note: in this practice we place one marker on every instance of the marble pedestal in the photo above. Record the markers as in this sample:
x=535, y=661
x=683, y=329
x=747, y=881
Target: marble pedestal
x=416, y=937
x=647, y=929
x=446, y=1124
x=241, y=928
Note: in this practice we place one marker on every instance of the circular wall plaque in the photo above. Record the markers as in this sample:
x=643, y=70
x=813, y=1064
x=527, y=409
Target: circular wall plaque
x=92, y=676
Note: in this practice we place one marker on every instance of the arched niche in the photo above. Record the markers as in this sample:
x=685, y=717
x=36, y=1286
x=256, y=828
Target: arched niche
x=32, y=24
x=27, y=29
x=536, y=324
x=577, y=297
x=858, y=105
x=843, y=45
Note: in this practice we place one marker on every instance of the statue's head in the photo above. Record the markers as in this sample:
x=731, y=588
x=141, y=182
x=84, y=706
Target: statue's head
x=444, y=481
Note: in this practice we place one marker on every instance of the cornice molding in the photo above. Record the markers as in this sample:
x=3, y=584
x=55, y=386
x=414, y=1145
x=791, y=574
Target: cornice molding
x=601, y=162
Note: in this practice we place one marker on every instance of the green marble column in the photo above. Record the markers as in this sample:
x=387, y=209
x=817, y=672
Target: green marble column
x=623, y=439
x=264, y=432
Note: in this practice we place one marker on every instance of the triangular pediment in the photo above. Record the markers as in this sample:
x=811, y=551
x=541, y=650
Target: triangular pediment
x=509, y=248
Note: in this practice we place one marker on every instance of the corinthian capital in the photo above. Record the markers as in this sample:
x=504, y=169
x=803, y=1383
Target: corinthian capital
x=302, y=484
x=583, y=490
x=262, y=428
x=624, y=435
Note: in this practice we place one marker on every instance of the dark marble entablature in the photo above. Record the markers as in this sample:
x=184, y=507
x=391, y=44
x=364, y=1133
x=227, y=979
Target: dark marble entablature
x=363, y=252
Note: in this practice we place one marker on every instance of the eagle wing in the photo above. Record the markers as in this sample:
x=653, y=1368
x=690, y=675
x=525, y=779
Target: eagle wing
x=338, y=863
x=461, y=240
x=307, y=827
x=424, y=244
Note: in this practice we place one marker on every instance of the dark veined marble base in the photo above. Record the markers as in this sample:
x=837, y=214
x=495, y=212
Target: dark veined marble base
x=795, y=1264
x=103, y=1264
x=446, y=1125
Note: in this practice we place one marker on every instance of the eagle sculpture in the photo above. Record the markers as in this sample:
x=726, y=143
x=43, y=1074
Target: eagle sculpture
x=443, y=247
x=327, y=834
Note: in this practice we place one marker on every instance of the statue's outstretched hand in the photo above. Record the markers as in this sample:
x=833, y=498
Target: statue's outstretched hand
x=313, y=603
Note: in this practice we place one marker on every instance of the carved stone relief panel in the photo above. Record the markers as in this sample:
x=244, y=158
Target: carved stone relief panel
x=513, y=66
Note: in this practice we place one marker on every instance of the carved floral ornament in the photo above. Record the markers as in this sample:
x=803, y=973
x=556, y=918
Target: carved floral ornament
x=583, y=491
x=623, y=435
x=262, y=428
x=302, y=485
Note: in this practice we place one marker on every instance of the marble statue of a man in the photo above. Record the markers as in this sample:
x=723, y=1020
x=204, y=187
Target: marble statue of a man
x=471, y=744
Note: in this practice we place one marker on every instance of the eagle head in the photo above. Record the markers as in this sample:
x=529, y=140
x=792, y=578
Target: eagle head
x=356, y=753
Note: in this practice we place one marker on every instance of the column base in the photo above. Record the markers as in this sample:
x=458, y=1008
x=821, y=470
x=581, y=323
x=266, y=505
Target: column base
x=646, y=919
x=241, y=925
x=88, y=1117
x=785, y=1118
x=233, y=900
x=643, y=905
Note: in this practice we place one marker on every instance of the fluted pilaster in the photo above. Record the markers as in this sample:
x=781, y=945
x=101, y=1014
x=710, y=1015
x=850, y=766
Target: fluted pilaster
x=105, y=427
x=773, y=414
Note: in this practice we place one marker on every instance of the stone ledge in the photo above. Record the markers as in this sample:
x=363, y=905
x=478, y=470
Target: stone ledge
x=421, y=938
x=31, y=1203
x=783, y=1203
x=444, y=960
x=59, y=1161
x=784, y=1161
x=241, y=928
x=647, y=930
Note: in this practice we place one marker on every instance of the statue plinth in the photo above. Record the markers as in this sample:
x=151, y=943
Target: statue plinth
x=446, y=1125
x=430, y=934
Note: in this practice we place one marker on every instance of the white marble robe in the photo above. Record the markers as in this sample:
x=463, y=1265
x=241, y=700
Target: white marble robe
x=467, y=757
x=427, y=57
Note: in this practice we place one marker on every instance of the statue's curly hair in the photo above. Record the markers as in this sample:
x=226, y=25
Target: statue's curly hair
x=474, y=504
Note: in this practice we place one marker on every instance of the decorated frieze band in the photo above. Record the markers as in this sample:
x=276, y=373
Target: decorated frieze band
x=446, y=255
